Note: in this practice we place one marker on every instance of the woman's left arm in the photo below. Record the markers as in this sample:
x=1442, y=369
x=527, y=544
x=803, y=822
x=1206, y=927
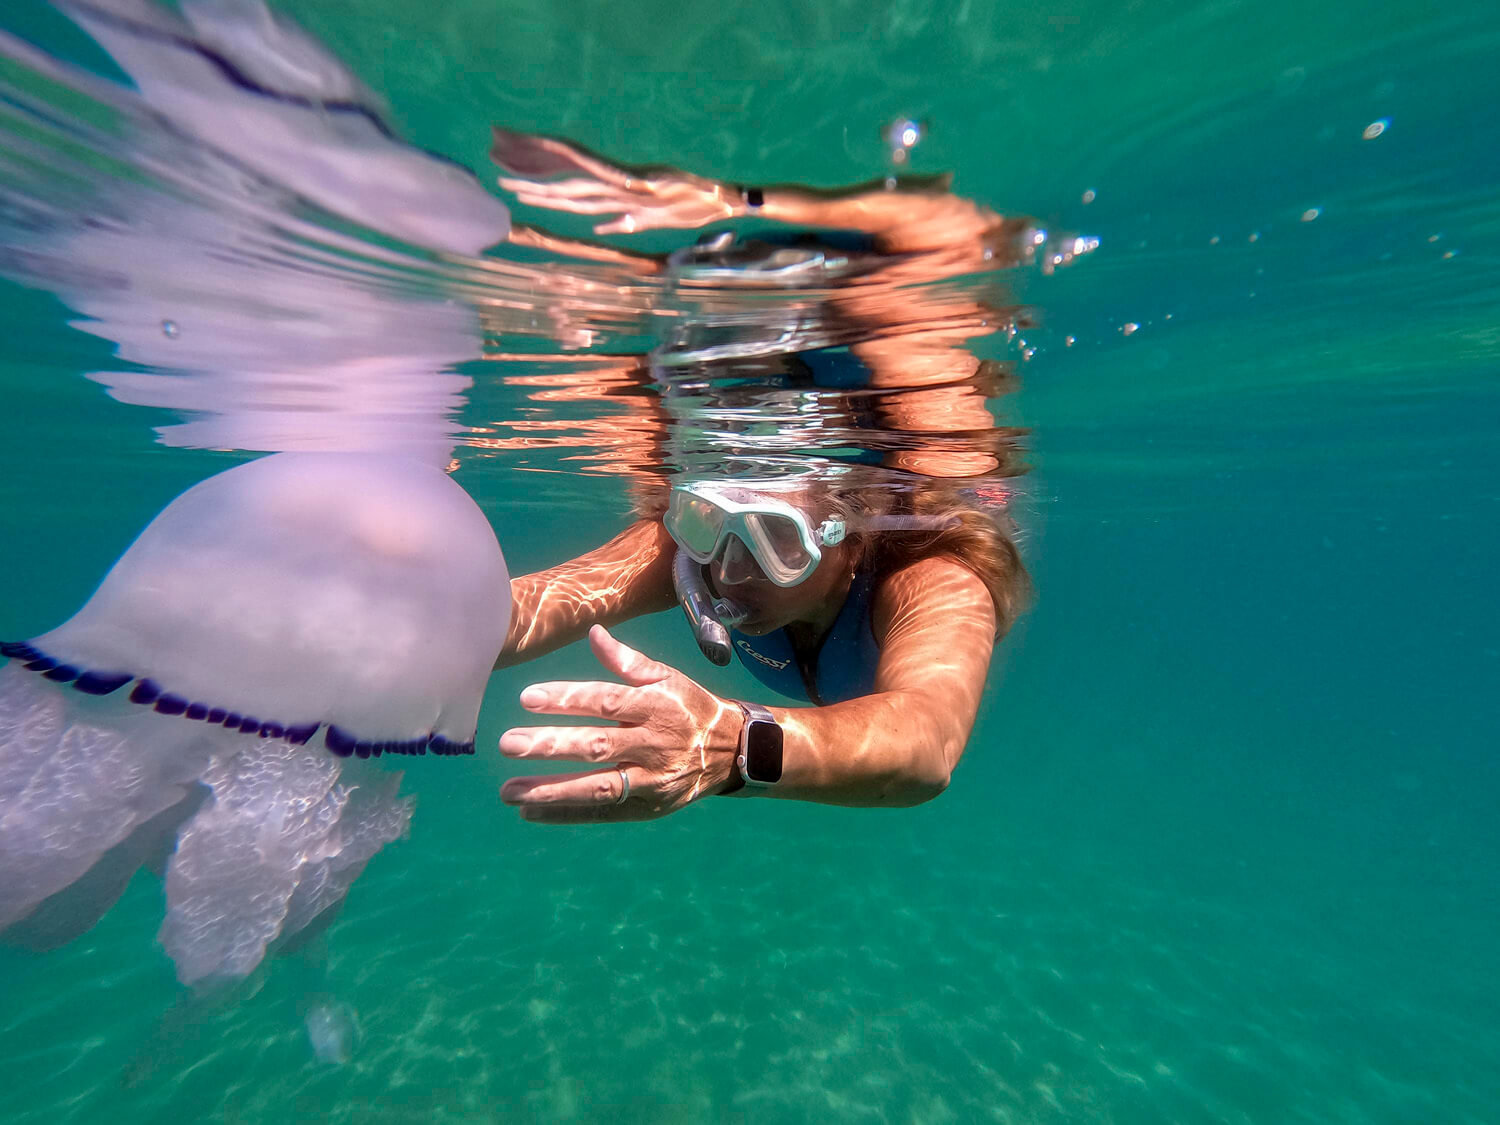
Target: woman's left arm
x=676, y=741
x=935, y=623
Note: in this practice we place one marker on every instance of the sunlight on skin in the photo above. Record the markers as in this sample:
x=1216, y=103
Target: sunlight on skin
x=936, y=626
x=627, y=577
x=677, y=741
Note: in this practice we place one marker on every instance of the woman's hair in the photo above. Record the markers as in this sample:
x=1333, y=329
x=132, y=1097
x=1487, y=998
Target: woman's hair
x=963, y=530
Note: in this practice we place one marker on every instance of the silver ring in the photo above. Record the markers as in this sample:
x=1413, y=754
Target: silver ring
x=624, y=786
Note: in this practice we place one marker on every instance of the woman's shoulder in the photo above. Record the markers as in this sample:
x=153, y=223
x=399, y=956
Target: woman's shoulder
x=925, y=588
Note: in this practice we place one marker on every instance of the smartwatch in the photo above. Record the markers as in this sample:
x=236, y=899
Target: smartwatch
x=758, y=762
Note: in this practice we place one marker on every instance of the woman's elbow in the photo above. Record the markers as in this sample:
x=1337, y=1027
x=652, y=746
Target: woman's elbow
x=927, y=778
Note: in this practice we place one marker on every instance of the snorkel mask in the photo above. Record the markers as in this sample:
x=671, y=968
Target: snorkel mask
x=752, y=534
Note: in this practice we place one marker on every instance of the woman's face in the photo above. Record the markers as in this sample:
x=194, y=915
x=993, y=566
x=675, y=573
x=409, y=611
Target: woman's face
x=769, y=607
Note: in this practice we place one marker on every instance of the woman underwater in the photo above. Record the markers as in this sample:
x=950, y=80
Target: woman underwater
x=880, y=604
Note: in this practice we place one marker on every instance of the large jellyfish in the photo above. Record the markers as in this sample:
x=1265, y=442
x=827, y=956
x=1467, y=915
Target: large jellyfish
x=221, y=698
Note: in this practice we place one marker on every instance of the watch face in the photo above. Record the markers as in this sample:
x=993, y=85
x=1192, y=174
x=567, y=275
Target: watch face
x=763, y=752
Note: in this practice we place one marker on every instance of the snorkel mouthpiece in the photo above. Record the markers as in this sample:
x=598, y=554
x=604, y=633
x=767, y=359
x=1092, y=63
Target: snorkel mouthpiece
x=708, y=617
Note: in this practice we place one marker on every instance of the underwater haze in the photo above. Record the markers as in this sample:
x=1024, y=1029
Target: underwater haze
x=1224, y=844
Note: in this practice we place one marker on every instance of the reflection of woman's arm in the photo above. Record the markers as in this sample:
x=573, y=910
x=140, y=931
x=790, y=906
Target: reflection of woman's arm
x=628, y=576
x=537, y=239
x=920, y=214
x=899, y=745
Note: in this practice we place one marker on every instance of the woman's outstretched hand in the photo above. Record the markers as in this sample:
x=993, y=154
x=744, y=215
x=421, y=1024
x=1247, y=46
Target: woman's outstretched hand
x=643, y=198
x=674, y=740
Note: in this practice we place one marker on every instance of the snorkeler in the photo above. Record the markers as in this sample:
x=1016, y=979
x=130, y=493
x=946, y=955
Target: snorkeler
x=885, y=622
x=876, y=599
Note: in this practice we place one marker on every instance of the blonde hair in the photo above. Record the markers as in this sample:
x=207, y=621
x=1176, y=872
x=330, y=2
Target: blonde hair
x=976, y=536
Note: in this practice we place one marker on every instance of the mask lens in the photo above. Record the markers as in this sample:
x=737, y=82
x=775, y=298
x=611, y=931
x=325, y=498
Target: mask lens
x=786, y=559
x=695, y=524
x=737, y=564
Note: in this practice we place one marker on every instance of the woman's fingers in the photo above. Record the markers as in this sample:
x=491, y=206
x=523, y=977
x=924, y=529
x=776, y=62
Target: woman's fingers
x=577, y=205
x=561, y=189
x=529, y=155
x=663, y=716
x=633, y=667
x=582, y=744
x=590, y=699
x=596, y=789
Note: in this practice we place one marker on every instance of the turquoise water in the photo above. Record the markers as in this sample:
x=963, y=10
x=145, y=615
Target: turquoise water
x=1223, y=846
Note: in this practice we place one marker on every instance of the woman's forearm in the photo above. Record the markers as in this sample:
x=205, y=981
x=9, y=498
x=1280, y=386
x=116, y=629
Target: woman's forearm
x=629, y=576
x=893, y=749
x=899, y=745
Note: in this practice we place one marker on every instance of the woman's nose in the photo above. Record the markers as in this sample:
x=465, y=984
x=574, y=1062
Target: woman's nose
x=735, y=564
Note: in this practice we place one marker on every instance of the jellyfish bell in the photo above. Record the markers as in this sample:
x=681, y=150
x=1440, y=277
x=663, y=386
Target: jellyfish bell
x=360, y=593
x=271, y=630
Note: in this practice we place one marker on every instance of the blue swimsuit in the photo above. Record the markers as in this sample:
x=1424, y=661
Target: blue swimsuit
x=842, y=668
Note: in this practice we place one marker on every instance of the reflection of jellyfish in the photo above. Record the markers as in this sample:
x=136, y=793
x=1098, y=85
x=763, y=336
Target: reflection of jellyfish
x=243, y=79
x=270, y=631
x=268, y=325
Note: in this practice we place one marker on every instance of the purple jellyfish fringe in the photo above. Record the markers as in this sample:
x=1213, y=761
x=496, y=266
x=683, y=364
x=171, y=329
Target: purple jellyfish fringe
x=147, y=692
x=344, y=745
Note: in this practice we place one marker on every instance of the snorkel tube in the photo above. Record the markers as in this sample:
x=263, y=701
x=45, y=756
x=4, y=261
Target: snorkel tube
x=709, y=617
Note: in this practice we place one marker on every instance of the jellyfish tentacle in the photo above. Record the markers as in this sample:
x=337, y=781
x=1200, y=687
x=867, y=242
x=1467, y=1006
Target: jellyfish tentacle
x=70, y=790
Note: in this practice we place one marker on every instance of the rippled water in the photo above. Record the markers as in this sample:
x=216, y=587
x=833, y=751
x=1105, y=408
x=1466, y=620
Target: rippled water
x=1223, y=845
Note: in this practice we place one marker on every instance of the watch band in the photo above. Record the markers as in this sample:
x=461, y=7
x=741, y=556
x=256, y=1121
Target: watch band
x=736, y=774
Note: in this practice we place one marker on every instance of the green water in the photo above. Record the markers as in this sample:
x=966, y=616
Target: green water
x=1223, y=846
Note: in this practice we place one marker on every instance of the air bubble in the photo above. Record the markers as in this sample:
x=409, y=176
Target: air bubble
x=903, y=135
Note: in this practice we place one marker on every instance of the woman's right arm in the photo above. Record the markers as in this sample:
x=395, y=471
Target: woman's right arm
x=629, y=576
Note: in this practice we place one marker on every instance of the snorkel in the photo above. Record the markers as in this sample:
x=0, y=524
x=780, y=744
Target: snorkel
x=708, y=616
